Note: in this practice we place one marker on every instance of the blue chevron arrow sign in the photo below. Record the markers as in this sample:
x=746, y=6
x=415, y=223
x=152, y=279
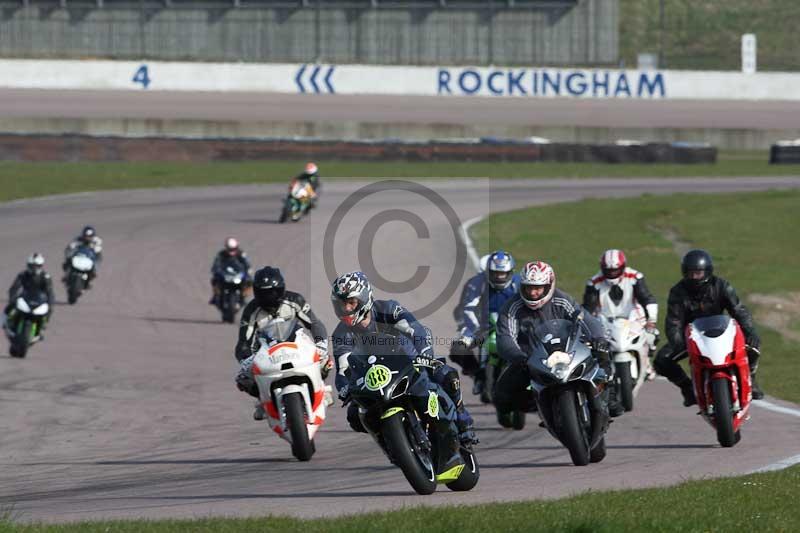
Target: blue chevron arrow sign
x=315, y=81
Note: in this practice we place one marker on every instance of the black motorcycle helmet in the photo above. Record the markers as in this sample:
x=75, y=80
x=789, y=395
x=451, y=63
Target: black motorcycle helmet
x=696, y=261
x=268, y=287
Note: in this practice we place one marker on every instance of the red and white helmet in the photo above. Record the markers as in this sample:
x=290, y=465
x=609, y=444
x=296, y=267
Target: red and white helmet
x=231, y=246
x=612, y=263
x=537, y=274
x=311, y=169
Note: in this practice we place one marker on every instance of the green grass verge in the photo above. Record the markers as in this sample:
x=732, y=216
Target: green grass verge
x=752, y=238
x=758, y=502
x=707, y=35
x=25, y=180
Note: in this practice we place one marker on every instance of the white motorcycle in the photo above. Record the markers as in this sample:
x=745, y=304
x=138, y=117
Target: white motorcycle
x=631, y=345
x=292, y=393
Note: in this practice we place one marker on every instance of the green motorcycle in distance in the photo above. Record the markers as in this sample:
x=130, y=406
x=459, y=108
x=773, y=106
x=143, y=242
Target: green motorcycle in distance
x=493, y=365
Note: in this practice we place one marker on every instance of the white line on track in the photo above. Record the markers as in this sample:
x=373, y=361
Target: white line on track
x=473, y=254
x=780, y=465
x=764, y=404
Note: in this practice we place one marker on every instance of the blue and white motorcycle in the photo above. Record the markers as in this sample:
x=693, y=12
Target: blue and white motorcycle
x=79, y=273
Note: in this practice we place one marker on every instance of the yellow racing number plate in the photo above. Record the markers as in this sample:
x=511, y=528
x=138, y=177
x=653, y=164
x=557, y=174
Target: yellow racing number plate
x=378, y=376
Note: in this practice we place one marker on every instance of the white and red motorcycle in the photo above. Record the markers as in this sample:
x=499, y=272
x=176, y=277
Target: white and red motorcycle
x=631, y=345
x=292, y=393
x=720, y=374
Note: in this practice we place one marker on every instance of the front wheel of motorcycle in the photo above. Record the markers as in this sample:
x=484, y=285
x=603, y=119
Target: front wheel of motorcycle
x=284, y=215
x=470, y=475
x=572, y=434
x=73, y=290
x=20, y=342
x=422, y=478
x=723, y=412
x=296, y=420
x=490, y=375
x=229, y=307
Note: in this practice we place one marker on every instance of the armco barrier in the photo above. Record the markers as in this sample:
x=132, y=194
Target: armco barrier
x=86, y=148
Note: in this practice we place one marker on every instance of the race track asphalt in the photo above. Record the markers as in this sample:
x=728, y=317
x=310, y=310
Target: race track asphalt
x=128, y=408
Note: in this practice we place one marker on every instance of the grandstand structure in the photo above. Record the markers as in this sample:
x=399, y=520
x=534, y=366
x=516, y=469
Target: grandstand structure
x=390, y=32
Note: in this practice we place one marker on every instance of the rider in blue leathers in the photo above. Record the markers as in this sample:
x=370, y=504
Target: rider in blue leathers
x=483, y=295
x=361, y=316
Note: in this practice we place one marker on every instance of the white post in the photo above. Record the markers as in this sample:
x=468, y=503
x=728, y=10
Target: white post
x=749, y=53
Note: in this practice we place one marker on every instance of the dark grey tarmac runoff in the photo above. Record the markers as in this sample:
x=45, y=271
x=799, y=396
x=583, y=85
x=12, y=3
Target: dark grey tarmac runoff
x=128, y=409
x=259, y=107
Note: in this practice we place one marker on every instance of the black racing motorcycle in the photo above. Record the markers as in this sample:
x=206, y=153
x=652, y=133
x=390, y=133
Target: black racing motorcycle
x=570, y=387
x=232, y=281
x=79, y=271
x=23, y=324
x=410, y=417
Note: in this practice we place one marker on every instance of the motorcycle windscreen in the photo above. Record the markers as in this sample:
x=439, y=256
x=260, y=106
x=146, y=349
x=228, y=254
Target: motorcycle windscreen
x=712, y=326
x=278, y=330
x=714, y=338
x=86, y=251
x=552, y=335
x=231, y=266
x=34, y=299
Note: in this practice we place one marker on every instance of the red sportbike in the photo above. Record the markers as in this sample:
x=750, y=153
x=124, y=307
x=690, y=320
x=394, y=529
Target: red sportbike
x=721, y=374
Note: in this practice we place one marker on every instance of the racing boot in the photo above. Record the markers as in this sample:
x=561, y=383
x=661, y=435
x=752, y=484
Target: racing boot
x=479, y=382
x=328, y=395
x=752, y=355
x=465, y=425
x=259, y=413
x=687, y=389
x=756, y=391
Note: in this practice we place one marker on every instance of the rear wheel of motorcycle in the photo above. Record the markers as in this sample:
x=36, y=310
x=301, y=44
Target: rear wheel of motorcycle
x=469, y=476
x=625, y=385
x=572, y=434
x=398, y=442
x=296, y=420
x=598, y=453
x=723, y=412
